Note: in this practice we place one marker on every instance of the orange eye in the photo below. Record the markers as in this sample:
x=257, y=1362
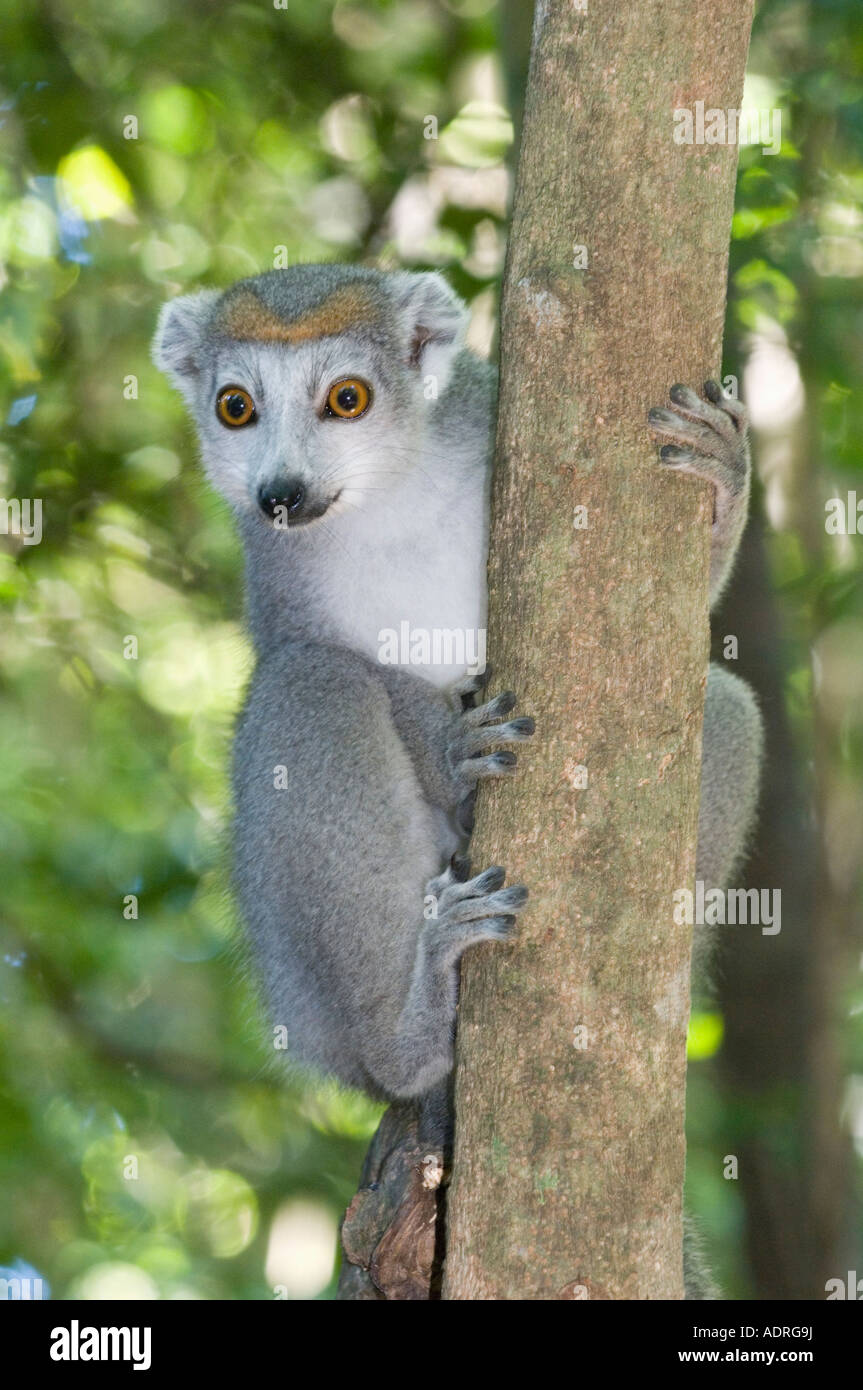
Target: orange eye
x=235, y=407
x=348, y=398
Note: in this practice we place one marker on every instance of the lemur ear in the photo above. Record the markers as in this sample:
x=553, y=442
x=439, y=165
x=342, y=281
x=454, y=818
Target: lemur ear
x=180, y=334
x=435, y=321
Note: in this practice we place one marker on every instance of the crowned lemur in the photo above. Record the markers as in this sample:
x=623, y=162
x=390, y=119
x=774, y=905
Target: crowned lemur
x=351, y=430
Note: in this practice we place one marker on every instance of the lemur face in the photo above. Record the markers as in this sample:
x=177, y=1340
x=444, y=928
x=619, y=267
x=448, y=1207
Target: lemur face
x=309, y=386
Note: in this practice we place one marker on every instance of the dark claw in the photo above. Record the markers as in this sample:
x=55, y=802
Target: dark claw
x=525, y=724
x=465, y=812
x=670, y=453
x=491, y=880
x=713, y=391
x=460, y=868
x=678, y=394
x=477, y=684
x=515, y=896
x=505, y=758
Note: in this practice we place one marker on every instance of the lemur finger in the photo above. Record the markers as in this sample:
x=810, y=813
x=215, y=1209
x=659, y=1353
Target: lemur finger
x=709, y=411
x=456, y=874
x=719, y=472
x=487, y=882
x=508, y=900
x=492, y=765
x=454, y=892
x=469, y=686
x=459, y=867
x=478, y=740
x=682, y=428
x=449, y=940
x=729, y=404
x=725, y=414
x=495, y=709
x=474, y=681
x=498, y=928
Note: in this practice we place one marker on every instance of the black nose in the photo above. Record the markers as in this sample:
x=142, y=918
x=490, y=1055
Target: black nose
x=290, y=495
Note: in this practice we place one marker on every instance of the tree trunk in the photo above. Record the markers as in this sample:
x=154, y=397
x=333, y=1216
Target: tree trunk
x=570, y=1083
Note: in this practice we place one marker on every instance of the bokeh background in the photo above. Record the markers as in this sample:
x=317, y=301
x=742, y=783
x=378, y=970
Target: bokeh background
x=149, y=1148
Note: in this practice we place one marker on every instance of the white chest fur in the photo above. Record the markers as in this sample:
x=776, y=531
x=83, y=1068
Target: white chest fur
x=406, y=585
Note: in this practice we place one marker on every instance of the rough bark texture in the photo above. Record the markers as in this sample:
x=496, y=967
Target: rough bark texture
x=569, y=1152
x=391, y=1227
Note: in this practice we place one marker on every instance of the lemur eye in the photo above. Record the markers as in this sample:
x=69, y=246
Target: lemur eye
x=235, y=407
x=348, y=398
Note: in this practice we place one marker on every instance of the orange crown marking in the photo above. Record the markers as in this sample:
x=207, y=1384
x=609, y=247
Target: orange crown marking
x=246, y=317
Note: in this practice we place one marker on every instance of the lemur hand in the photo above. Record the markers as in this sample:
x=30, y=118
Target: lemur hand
x=471, y=910
x=709, y=438
x=469, y=754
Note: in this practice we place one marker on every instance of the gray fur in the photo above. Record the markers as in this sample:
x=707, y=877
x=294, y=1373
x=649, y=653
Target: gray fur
x=333, y=870
x=337, y=872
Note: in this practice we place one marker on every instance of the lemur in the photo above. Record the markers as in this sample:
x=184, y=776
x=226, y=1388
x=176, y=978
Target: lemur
x=342, y=417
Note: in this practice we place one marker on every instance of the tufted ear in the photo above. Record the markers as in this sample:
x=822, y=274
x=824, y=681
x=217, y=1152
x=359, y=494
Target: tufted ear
x=434, y=321
x=180, y=336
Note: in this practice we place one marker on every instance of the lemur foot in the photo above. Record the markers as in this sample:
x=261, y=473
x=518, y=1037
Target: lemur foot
x=477, y=732
x=709, y=439
x=471, y=910
x=469, y=755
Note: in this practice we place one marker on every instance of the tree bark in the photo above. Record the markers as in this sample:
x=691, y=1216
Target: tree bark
x=570, y=1083
x=391, y=1229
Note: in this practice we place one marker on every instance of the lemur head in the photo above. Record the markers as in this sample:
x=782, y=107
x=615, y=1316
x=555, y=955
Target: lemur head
x=309, y=386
